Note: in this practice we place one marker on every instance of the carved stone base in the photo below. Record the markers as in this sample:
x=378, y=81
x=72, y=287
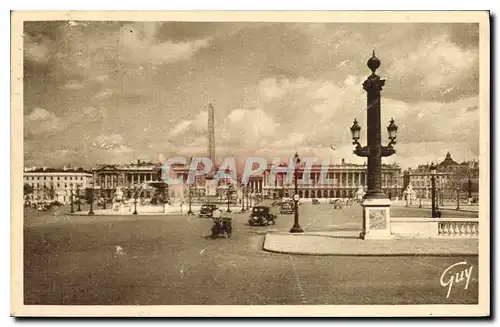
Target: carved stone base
x=376, y=215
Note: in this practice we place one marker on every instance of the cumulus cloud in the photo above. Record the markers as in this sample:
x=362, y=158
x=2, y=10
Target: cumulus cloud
x=279, y=88
x=141, y=45
x=438, y=66
x=42, y=122
x=74, y=85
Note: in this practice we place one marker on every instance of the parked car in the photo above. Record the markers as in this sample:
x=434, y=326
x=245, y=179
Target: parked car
x=287, y=208
x=261, y=216
x=207, y=210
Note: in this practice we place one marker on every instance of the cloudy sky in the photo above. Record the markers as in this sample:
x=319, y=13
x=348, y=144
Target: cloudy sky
x=113, y=92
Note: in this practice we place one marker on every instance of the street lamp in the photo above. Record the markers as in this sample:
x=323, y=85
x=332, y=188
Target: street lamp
x=374, y=151
x=469, y=186
x=243, y=198
x=91, y=210
x=433, y=168
x=72, y=210
x=228, y=193
x=458, y=198
x=296, y=227
x=190, y=212
x=78, y=197
x=135, y=204
x=249, y=198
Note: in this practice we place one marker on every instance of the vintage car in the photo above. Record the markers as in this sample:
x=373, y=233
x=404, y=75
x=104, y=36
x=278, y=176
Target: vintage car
x=207, y=210
x=315, y=201
x=261, y=216
x=287, y=207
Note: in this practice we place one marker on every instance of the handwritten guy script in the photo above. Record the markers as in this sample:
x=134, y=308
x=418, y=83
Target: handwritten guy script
x=449, y=278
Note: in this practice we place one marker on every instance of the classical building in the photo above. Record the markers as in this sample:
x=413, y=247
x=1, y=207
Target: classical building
x=130, y=178
x=450, y=175
x=341, y=181
x=55, y=183
x=344, y=181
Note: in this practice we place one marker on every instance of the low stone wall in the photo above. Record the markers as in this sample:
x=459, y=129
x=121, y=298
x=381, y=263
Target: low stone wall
x=435, y=227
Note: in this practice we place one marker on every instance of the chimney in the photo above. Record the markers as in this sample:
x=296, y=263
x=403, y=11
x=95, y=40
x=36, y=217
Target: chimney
x=138, y=162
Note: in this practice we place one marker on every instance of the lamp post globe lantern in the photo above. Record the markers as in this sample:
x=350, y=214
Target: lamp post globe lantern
x=296, y=227
x=392, y=130
x=355, y=131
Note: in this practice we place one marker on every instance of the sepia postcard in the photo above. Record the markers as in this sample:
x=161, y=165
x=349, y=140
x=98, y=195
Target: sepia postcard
x=250, y=164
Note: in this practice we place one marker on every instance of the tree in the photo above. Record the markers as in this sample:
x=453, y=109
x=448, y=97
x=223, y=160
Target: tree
x=27, y=189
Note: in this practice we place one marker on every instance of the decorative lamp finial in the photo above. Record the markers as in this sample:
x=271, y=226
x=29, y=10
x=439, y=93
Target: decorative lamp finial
x=373, y=63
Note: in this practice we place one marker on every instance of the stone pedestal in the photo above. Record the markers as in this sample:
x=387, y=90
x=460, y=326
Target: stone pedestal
x=376, y=223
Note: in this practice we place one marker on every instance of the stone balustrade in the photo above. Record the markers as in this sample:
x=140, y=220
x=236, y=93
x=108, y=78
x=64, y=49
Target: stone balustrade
x=456, y=227
x=435, y=227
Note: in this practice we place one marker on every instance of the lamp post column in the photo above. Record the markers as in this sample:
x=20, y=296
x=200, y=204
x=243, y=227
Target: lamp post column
x=433, y=192
x=376, y=204
x=242, y=198
x=190, y=212
x=296, y=227
x=79, y=207
x=228, y=200
x=72, y=210
x=91, y=210
x=458, y=198
x=135, y=205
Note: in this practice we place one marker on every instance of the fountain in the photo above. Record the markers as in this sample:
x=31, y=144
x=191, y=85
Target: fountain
x=136, y=204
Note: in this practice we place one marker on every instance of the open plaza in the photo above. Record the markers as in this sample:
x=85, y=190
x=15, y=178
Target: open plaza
x=171, y=259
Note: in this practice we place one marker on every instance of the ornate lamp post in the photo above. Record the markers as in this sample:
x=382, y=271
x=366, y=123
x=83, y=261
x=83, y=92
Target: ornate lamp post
x=72, y=210
x=78, y=198
x=458, y=198
x=296, y=227
x=433, y=168
x=376, y=204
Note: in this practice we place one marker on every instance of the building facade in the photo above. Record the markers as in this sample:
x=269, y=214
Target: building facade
x=130, y=178
x=43, y=184
x=340, y=181
x=450, y=178
x=343, y=182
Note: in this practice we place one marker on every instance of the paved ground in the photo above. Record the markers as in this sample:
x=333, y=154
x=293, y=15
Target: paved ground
x=170, y=260
x=348, y=244
x=447, y=205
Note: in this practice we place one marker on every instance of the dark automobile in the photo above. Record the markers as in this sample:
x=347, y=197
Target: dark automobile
x=207, y=210
x=261, y=216
x=222, y=226
x=287, y=207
